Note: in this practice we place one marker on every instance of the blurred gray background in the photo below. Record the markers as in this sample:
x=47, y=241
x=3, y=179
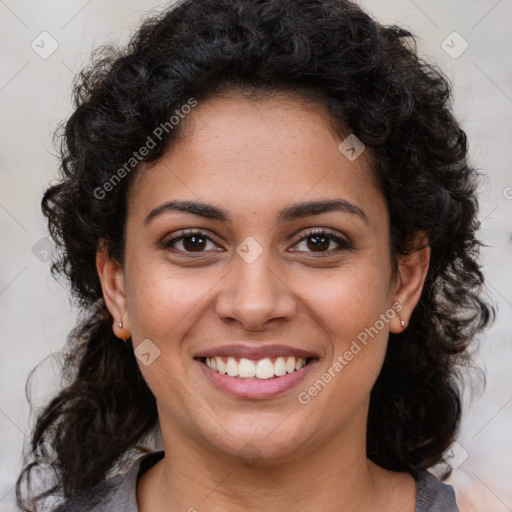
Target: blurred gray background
x=44, y=43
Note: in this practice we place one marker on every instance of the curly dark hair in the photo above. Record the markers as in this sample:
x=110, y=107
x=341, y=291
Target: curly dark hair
x=372, y=81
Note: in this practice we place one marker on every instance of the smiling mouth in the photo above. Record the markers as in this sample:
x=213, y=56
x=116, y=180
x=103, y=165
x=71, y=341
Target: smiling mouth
x=262, y=369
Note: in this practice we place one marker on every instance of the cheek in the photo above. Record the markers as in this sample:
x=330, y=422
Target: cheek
x=348, y=305
x=165, y=305
x=163, y=301
x=349, y=299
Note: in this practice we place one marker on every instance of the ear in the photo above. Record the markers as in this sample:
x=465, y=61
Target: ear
x=112, y=280
x=412, y=271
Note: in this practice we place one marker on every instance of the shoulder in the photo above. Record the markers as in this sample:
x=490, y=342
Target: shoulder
x=116, y=493
x=433, y=495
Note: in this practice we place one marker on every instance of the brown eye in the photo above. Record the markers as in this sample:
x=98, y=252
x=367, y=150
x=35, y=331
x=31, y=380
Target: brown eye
x=194, y=243
x=191, y=242
x=318, y=243
x=322, y=241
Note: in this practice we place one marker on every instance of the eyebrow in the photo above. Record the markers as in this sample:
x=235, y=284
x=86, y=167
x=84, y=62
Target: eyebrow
x=289, y=213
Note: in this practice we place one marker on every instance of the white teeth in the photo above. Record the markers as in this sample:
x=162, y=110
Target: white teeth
x=290, y=364
x=265, y=369
x=262, y=369
x=221, y=367
x=280, y=366
x=232, y=367
x=246, y=368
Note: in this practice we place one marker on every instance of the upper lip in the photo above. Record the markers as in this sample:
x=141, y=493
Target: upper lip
x=255, y=352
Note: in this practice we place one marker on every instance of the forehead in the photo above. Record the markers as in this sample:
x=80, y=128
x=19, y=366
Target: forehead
x=257, y=155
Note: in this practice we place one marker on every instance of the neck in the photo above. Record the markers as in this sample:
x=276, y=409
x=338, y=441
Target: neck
x=334, y=477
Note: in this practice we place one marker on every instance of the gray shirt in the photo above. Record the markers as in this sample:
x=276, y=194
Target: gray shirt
x=117, y=494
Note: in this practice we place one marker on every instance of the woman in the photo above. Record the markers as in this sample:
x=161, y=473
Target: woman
x=268, y=216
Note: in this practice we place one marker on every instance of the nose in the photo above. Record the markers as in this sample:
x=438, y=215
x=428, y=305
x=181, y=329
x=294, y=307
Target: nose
x=253, y=294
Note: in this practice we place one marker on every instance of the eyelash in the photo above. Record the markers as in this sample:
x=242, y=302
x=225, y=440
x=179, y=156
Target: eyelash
x=343, y=244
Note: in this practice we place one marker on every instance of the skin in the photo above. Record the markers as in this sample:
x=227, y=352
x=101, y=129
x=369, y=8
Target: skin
x=254, y=158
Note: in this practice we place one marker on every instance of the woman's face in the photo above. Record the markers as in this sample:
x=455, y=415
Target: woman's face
x=258, y=275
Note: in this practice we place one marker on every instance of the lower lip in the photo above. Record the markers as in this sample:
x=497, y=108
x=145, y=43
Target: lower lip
x=257, y=388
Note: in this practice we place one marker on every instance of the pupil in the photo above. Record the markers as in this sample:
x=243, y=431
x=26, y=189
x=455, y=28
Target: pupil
x=319, y=243
x=193, y=242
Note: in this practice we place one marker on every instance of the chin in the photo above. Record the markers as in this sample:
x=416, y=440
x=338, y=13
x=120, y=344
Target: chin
x=270, y=441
